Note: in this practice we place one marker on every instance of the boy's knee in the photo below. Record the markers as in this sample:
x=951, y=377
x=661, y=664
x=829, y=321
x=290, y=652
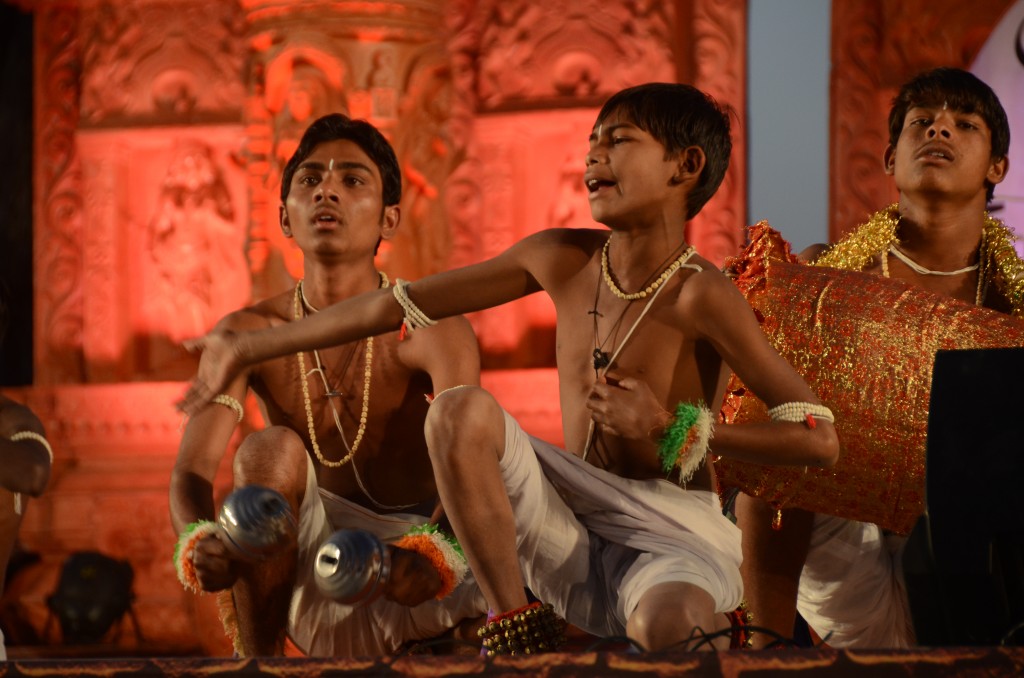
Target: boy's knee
x=658, y=628
x=460, y=414
x=670, y=614
x=273, y=457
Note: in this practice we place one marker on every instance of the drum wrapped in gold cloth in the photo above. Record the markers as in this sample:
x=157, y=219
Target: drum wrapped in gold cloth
x=866, y=346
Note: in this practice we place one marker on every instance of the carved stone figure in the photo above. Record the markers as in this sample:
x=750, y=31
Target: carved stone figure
x=198, y=251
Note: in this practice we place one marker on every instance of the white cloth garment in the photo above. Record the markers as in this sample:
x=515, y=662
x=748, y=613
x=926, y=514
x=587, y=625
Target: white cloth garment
x=851, y=590
x=591, y=543
x=321, y=627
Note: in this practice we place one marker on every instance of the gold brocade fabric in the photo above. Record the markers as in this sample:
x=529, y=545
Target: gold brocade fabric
x=866, y=346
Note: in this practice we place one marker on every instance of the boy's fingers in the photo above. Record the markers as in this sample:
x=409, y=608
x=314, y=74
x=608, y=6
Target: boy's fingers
x=628, y=383
x=193, y=345
x=195, y=398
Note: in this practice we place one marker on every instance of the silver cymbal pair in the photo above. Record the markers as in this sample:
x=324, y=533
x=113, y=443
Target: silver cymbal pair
x=256, y=522
x=351, y=567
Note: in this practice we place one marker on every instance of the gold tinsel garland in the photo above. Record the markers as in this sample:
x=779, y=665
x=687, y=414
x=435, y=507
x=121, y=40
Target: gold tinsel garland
x=1001, y=263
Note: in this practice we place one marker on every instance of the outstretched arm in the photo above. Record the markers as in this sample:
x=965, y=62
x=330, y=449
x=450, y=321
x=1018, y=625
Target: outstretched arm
x=473, y=288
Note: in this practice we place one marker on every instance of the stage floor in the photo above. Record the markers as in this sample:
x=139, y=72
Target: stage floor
x=989, y=662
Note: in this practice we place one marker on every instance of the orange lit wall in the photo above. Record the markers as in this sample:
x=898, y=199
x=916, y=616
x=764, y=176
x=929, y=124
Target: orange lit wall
x=161, y=130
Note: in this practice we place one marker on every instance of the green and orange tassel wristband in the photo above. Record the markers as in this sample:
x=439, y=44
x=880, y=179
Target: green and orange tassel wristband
x=443, y=552
x=685, y=443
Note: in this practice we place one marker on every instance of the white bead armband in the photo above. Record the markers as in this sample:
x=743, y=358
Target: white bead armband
x=415, y=319
x=801, y=412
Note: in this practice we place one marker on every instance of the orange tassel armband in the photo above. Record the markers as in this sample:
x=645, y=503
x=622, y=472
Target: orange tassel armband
x=443, y=552
x=184, y=552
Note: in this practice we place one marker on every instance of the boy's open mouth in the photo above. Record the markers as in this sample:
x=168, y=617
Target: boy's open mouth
x=935, y=150
x=324, y=216
x=594, y=185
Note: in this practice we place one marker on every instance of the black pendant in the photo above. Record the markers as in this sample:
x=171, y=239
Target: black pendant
x=601, y=359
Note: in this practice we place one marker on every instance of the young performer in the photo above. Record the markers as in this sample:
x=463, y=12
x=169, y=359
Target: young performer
x=623, y=534
x=25, y=461
x=948, y=141
x=345, y=444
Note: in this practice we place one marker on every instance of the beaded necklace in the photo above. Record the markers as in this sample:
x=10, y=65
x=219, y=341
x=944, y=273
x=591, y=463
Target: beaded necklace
x=979, y=290
x=921, y=270
x=999, y=263
x=658, y=282
x=300, y=304
x=606, y=360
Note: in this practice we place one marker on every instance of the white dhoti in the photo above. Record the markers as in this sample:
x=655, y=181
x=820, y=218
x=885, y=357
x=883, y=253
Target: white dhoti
x=851, y=590
x=323, y=628
x=591, y=543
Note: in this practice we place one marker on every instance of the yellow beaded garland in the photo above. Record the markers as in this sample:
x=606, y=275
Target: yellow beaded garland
x=367, y=373
x=632, y=296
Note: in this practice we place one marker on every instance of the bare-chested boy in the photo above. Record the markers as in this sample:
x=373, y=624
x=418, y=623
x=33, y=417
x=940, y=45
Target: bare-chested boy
x=646, y=331
x=25, y=460
x=345, y=444
x=948, y=141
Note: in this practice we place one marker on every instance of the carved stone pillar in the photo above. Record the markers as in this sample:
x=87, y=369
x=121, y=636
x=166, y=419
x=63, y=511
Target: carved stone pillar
x=719, y=67
x=58, y=268
x=381, y=61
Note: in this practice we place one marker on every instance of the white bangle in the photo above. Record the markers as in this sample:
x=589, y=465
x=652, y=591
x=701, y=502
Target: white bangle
x=797, y=412
x=32, y=435
x=414, y=318
x=230, y=402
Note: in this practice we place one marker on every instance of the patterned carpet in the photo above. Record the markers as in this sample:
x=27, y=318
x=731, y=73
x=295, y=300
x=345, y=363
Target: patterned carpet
x=989, y=662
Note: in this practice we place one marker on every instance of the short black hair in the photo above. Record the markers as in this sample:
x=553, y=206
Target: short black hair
x=336, y=126
x=680, y=116
x=961, y=91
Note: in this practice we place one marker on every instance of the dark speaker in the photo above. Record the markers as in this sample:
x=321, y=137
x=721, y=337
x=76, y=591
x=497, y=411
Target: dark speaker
x=964, y=560
x=93, y=592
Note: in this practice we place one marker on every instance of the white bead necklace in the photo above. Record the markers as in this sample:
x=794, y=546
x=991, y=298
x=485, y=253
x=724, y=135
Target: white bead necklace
x=980, y=289
x=921, y=270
